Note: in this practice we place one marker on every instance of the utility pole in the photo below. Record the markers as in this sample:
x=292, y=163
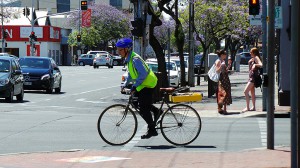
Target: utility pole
x=264, y=51
x=191, y=78
x=271, y=78
x=32, y=42
x=294, y=78
x=2, y=28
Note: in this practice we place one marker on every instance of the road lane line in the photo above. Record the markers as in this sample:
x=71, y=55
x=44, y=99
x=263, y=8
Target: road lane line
x=94, y=90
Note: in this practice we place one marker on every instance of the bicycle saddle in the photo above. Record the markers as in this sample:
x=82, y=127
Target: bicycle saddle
x=168, y=90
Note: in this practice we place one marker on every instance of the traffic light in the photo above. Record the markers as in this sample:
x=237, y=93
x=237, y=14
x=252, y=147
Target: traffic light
x=33, y=36
x=84, y=5
x=26, y=11
x=5, y=34
x=78, y=38
x=254, y=7
x=138, y=27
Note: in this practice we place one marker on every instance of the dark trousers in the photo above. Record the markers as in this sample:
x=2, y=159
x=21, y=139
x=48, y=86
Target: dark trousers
x=146, y=105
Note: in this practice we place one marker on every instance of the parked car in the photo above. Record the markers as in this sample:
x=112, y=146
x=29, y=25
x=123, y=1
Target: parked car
x=86, y=59
x=117, y=60
x=174, y=73
x=11, y=79
x=104, y=59
x=41, y=73
x=177, y=61
x=245, y=57
x=197, y=64
x=97, y=52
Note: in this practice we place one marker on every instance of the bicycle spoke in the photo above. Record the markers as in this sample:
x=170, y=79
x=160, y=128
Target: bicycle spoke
x=181, y=124
x=115, y=126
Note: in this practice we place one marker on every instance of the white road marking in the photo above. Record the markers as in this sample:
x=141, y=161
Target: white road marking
x=87, y=101
x=135, y=139
x=94, y=90
x=91, y=159
x=263, y=131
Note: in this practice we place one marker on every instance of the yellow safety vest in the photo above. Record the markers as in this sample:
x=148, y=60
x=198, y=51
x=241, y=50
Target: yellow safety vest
x=151, y=79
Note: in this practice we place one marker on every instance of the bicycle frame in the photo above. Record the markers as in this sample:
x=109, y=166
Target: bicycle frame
x=130, y=103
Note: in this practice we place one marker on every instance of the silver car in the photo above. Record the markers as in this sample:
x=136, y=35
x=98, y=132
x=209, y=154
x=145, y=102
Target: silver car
x=103, y=59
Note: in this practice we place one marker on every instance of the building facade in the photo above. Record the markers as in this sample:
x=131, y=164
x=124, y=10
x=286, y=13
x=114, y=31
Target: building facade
x=58, y=6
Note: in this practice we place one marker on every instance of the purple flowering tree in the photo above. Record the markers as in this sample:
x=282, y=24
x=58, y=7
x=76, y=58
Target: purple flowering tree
x=218, y=20
x=161, y=32
x=107, y=25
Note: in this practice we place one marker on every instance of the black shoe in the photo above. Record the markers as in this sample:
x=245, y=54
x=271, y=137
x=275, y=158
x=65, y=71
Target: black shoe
x=149, y=134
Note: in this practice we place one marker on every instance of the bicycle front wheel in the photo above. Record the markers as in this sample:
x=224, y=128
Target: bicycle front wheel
x=116, y=126
x=180, y=124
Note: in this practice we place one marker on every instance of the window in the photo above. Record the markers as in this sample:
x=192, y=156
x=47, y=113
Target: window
x=116, y=3
x=63, y=6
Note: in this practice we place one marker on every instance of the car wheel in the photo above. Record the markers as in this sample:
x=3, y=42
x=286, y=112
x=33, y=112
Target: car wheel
x=58, y=90
x=20, y=96
x=10, y=98
x=81, y=63
x=49, y=90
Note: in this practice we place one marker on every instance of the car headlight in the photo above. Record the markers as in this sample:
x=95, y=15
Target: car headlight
x=4, y=82
x=45, y=77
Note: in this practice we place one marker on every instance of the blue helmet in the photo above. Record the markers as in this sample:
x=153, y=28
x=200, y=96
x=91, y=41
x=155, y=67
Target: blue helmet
x=124, y=43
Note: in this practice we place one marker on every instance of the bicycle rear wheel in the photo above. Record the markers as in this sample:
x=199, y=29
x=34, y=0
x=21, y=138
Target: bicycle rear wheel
x=116, y=126
x=180, y=124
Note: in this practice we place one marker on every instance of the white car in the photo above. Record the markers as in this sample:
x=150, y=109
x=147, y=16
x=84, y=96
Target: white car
x=174, y=73
x=104, y=59
x=186, y=67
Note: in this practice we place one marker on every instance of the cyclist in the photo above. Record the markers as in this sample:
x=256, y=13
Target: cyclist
x=143, y=88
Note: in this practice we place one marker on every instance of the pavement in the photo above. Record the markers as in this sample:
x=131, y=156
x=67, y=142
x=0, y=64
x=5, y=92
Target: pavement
x=90, y=158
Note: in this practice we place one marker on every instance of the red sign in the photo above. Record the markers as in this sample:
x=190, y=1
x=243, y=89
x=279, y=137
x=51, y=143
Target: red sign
x=86, y=18
x=37, y=50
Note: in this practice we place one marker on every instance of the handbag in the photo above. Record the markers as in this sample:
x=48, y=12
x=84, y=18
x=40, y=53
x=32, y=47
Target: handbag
x=212, y=74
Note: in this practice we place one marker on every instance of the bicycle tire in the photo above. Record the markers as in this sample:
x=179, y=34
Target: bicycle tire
x=113, y=128
x=186, y=130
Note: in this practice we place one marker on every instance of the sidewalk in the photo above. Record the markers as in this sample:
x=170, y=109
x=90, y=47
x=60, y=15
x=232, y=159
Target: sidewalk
x=92, y=158
x=208, y=106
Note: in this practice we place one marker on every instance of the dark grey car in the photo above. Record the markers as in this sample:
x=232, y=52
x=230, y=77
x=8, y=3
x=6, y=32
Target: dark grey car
x=11, y=79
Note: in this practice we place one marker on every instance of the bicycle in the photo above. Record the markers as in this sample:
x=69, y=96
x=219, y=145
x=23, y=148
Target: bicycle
x=180, y=124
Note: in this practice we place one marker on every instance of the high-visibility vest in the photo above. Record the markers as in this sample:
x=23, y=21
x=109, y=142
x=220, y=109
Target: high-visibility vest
x=151, y=79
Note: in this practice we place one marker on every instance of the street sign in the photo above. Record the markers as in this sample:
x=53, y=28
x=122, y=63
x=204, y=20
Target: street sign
x=256, y=20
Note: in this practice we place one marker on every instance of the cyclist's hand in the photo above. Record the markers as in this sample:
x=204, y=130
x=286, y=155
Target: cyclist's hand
x=132, y=90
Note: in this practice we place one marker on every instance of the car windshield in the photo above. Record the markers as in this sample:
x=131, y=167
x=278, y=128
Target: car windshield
x=170, y=66
x=34, y=63
x=153, y=67
x=178, y=63
x=4, y=66
x=198, y=59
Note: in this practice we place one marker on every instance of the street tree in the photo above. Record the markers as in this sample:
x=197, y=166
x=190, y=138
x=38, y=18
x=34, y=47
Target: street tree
x=107, y=25
x=171, y=7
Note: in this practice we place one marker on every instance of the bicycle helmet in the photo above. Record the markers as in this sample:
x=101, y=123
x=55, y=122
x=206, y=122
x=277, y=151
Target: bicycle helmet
x=124, y=43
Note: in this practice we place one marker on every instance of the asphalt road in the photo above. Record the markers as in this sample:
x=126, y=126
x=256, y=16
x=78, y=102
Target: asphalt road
x=67, y=121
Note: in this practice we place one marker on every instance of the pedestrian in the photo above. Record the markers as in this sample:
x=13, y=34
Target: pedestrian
x=143, y=88
x=224, y=85
x=254, y=65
